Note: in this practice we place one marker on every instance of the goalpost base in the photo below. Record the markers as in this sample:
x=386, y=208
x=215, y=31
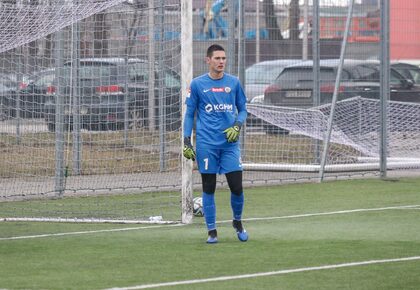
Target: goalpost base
x=370, y=166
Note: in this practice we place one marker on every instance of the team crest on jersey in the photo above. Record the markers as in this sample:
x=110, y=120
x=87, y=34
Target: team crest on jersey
x=228, y=90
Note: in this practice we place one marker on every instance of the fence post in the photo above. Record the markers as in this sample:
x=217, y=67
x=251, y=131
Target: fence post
x=59, y=115
x=334, y=98
x=384, y=85
x=75, y=85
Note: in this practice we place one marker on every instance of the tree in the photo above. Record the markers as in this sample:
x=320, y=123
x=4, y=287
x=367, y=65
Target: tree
x=274, y=32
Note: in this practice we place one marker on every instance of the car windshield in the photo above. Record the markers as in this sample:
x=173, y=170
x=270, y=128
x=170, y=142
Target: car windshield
x=410, y=73
x=262, y=74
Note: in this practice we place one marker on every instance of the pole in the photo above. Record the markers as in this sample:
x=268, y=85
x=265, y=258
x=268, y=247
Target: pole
x=162, y=91
x=315, y=60
x=151, y=86
x=59, y=115
x=257, y=33
x=77, y=140
x=186, y=77
x=337, y=85
x=305, y=31
x=231, y=36
x=385, y=85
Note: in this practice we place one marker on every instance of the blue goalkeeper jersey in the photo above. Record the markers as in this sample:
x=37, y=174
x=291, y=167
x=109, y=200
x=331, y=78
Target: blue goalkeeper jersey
x=218, y=104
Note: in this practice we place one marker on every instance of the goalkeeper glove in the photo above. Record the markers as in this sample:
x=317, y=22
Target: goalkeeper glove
x=188, y=149
x=232, y=133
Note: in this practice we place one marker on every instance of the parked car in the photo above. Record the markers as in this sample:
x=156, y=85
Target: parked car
x=7, y=97
x=261, y=74
x=258, y=77
x=8, y=89
x=293, y=87
x=32, y=93
x=17, y=87
x=108, y=88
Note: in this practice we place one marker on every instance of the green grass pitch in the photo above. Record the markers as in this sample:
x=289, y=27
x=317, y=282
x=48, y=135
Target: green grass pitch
x=291, y=227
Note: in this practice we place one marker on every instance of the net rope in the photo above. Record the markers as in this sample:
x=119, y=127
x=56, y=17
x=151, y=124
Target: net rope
x=356, y=124
x=23, y=23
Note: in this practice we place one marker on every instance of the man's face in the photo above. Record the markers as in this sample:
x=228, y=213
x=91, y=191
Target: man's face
x=217, y=61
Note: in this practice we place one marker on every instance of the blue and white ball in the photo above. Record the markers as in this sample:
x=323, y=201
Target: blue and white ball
x=198, y=206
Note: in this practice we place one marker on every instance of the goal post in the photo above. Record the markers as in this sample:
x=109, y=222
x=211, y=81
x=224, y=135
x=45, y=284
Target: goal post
x=186, y=71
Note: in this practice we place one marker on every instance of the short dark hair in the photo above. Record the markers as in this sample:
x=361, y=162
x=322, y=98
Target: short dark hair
x=214, y=47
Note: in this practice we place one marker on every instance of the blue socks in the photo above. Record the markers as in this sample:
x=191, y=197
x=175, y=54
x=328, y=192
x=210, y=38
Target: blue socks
x=209, y=208
x=237, y=204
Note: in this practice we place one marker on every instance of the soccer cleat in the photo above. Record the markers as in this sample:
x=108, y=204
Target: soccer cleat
x=212, y=239
x=240, y=231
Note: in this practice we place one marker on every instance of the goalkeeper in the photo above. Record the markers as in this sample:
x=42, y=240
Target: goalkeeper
x=219, y=102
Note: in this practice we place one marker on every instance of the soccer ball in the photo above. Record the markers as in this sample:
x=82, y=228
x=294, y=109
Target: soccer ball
x=198, y=206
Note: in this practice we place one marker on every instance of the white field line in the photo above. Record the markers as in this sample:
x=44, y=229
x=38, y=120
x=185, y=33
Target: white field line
x=328, y=213
x=272, y=273
x=88, y=232
x=226, y=221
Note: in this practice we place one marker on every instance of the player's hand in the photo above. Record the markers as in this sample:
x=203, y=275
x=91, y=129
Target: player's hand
x=188, y=150
x=232, y=133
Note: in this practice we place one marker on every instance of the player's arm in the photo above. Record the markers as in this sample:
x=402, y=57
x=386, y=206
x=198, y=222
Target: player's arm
x=188, y=149
x=232, y=133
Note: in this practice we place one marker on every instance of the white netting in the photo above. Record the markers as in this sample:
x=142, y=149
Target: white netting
x=21, y=23
x=355, y=127
x=90, y=103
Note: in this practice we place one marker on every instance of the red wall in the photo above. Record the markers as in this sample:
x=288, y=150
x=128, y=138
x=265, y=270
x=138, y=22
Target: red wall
x=405, y=29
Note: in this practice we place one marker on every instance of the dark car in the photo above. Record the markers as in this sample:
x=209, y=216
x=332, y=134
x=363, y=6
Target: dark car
x=114, y=91
x=8, y=89
x=293, y=87
x=32, y=93
x=7, y=97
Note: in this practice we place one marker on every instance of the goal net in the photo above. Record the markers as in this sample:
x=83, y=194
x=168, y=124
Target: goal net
x=90, y=105
x=355, y=139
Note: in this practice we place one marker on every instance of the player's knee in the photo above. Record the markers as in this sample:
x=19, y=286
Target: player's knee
x=237, y=190
x=234, y=180
x=209, y=183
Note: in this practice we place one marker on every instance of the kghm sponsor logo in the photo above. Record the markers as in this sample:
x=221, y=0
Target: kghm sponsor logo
x=219, y=108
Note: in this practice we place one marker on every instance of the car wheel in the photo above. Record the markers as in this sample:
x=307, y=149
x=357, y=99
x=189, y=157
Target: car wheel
x=136, y=120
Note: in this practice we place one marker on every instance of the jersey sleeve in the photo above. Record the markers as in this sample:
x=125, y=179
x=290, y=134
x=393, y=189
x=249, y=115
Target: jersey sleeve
x=191, y=102
x=241, y=104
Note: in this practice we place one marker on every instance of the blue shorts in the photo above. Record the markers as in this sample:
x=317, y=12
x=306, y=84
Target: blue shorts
x=219, y=161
